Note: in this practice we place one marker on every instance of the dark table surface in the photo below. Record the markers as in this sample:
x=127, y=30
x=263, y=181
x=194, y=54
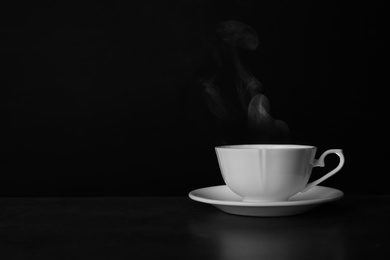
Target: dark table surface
x=355, y=227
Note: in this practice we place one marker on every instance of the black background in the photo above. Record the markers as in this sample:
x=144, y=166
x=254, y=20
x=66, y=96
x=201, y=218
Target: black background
x=103, y=98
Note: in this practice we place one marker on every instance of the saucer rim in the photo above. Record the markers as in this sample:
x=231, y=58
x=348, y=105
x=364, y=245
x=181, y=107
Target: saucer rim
x=338, y=194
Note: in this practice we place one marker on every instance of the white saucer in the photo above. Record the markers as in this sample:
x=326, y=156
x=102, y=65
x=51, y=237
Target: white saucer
x=224, y=199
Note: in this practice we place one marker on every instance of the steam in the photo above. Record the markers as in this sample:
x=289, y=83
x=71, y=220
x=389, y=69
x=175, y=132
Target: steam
x=254, y=106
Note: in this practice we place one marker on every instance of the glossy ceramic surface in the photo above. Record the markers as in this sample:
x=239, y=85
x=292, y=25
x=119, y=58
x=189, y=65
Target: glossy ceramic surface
x=260, y=173
x=226, y=200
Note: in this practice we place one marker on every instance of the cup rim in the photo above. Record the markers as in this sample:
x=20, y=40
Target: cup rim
x=266, y=146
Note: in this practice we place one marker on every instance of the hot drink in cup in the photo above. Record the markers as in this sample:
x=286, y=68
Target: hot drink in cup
x=261, y=173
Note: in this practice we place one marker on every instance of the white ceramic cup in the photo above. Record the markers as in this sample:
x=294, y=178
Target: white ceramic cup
x=261, y=173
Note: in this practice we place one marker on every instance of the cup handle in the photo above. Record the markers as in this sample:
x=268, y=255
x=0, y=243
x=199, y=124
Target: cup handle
x=321, y=163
